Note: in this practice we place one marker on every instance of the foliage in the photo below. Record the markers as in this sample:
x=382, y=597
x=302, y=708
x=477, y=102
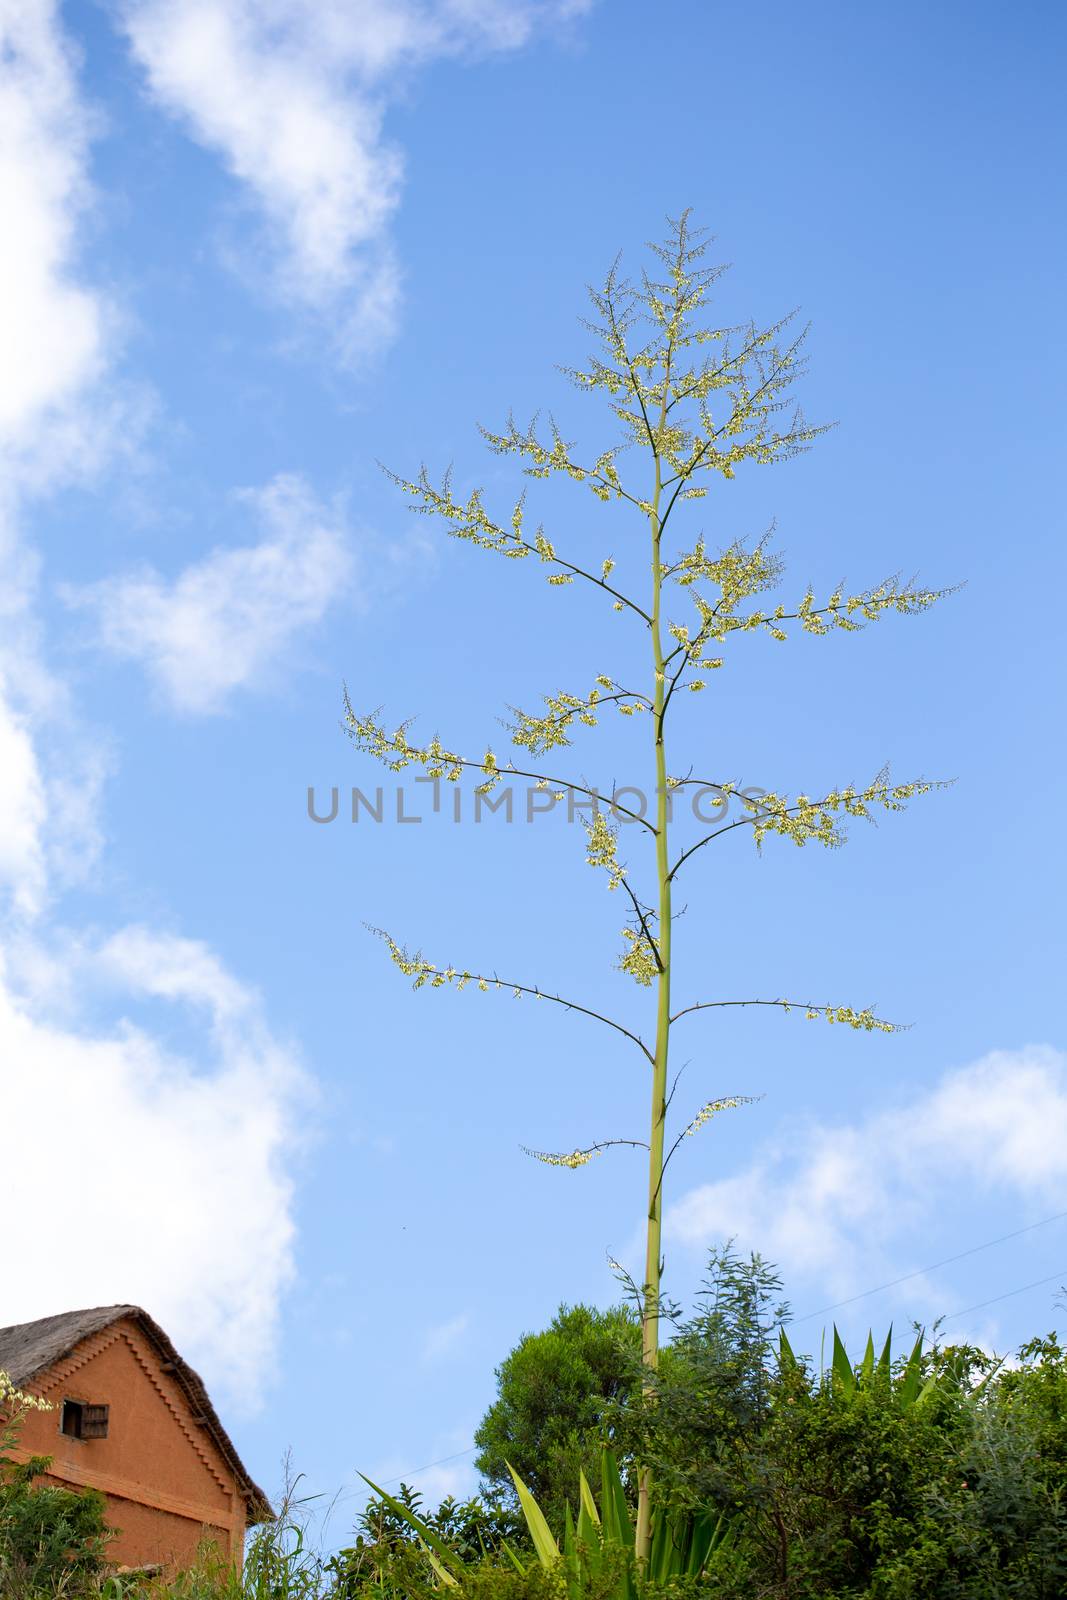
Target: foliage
x=692, y=403
x=994, y=1526
x=938, y=1476
x=710, y=1395
x=472, y=1527
x=553, y=1392
x=835, y=1484
x=52, y=1539
x=597, y=1552
x=388, y=1554
x=279, y=1564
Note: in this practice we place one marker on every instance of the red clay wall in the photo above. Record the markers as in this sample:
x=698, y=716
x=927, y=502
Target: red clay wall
x=165, y=1481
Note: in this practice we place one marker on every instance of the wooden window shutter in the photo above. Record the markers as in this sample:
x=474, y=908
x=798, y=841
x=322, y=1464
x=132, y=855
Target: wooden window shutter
x=94, y=1422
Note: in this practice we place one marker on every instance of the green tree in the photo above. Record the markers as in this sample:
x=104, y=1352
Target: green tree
x=693, y=404
x=553, y=1393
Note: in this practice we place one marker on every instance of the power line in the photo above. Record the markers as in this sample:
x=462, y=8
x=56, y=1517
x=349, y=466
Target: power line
x=997, y=1298
x=403, y=1476
x=838, y=1304
x=921, y=1271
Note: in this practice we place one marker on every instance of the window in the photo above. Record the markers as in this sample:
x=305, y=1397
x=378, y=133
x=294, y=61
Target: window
x=80, y=1420
x=71, y=1421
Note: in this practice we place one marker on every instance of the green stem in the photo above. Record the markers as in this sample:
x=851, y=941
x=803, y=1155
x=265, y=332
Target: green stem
x=650, y=1309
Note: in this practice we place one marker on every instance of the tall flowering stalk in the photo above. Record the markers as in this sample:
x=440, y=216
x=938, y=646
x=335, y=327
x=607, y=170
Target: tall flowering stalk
x=696, y=403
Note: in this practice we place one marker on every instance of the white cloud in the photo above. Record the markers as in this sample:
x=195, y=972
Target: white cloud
x=168, y=1167
x=172, y=968
x=176, y=1160
x=292, y=94
x=51, y=326
x=52, y=771
x=223, y=622
x=437, y=1483
x=51, y=776
x=841, y=1203
x=55, y=333
x=443, y=1338
x=22, y=865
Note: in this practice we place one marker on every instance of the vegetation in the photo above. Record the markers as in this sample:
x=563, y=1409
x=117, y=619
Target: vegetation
x=52, y=1540
x=597, y=1546
x=938, y=1475
x=729, y=1464
x=553, y=1393
x=691, y=404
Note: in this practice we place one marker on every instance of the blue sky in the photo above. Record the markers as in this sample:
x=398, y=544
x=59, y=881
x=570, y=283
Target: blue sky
x=256, y=249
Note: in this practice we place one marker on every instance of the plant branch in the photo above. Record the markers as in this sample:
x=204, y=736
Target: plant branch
x=643, y=920
x=437, y=977
x=741, y=822
x=634, y=382
x=723, y=1103
x=601, y=583
x=578, y=1158
x=447, y=759
x=855, y=1019
x=815, y=819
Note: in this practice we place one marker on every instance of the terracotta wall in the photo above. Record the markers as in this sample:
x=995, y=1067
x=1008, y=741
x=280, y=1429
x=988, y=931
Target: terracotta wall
x=165, y=1481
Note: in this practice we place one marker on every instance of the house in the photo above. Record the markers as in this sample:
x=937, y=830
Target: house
x=132, y=1419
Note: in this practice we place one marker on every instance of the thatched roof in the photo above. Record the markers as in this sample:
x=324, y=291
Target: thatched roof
x=28, y=1348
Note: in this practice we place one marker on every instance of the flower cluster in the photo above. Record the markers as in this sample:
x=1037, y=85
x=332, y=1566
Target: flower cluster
x=11, y=1396
x=469, y=520
x=804, y=820
x=574, y=1158
x=538, y=734
x=395, y=751
x=713, y=1107
x=601, y=844
x=747, y=369
x=545, y=459
x=864, y=1020
x=638, y=958
x=739, y=573
x=14, y=1404
x=424, y=972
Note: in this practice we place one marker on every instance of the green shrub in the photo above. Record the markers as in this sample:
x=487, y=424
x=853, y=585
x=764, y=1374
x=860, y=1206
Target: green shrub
x=595, y=1553
x=52, y=1540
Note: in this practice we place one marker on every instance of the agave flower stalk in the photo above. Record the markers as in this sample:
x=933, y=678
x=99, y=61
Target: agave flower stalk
x=694, y=404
